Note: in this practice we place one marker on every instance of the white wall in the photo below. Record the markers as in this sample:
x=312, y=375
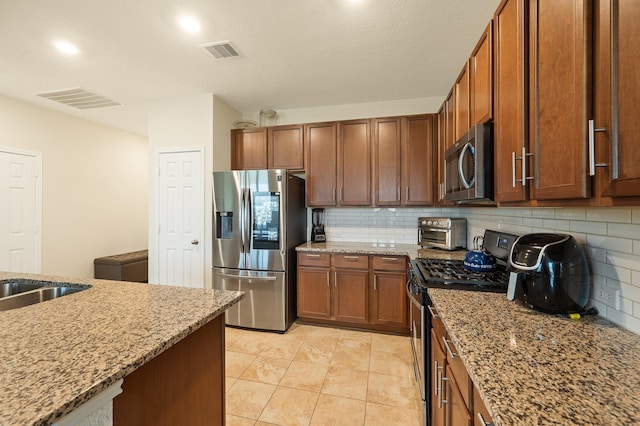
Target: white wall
x=189, y=122
x=610, y=235
x=352, y=111
x=94, y=185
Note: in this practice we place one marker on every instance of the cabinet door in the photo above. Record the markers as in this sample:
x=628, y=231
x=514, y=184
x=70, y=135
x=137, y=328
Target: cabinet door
x=286, y=147
x=616, y=97
x=314, y=292
x=440, y=150
x=461, y=90
x=351, y=295
x=320, y=145
x=249, y=149
x=481, y=414
x=510, y=97
x=560, y=83
x=450, y=120
x=481, y=64
x=438, y=358
x=418, y=161
x=389, y=299
x=354, y=163
x=386, y=161
x=457, y=413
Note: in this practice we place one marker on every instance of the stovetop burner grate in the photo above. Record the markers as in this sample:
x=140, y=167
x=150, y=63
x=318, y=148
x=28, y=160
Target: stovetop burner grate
x=453, y=274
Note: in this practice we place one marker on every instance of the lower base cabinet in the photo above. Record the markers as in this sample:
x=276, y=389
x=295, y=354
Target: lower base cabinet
x=353, y=290
x=184, y=385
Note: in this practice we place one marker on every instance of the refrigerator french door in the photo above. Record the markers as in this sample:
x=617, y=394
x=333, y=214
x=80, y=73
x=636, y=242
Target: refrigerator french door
x=259, y=217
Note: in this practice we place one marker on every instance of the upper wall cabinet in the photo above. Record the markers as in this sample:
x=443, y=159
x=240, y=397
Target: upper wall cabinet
x=462, y=95
x=279, y=147
x=615, y=130
x=320, y=144
x=511, y=98
x=285, y=147
x=354, y=163
x=403, y=161
x=481, y=78
x=541, y=113
x=249, y=149
x=559, y=99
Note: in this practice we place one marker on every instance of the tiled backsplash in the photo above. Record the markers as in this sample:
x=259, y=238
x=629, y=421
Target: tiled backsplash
x=610, y=235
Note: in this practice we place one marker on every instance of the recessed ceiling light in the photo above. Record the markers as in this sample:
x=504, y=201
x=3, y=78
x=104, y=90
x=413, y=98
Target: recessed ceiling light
x=65, y=47
x=189, y=24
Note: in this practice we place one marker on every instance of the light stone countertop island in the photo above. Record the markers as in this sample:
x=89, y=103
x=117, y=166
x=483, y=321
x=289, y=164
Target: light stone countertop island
x=60, y=353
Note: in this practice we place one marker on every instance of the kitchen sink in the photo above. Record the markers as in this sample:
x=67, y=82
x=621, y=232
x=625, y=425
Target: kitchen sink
x=19, y=293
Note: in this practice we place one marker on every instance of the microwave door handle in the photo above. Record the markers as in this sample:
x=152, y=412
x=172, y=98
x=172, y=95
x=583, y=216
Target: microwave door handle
x=468, y=148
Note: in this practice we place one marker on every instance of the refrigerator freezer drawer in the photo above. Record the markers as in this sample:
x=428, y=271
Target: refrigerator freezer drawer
x=264, y=304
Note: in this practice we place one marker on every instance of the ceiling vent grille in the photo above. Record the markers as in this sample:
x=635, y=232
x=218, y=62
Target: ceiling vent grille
x=221, y=49
x=79, y=98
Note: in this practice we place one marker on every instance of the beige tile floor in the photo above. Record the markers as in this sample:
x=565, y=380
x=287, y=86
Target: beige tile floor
x=319, y=376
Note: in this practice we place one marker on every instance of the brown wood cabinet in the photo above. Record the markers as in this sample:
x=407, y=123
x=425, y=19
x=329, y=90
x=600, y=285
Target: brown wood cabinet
x=279, y=147
x=481, y=78
x=617, y=139
x=183, y=385
x=351, y=288
x=388, y=301
x=403, y=156
x=321, y=148
x=481, y=414
x=452, y=394
x=462, y=105
x=285, y=147
x=559, y=98
x=355, y=290
x=314, y=285
x=354, y=163
x=249, y=149
x=511, y=98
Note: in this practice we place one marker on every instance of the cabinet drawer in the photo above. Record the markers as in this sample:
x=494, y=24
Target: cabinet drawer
x=314, y=259
x=389, y=263
x=352, y=261
x=459, y=371
x=438, y=327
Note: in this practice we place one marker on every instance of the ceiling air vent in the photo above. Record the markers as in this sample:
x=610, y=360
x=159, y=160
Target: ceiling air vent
x=221, y=49
x=79, y=98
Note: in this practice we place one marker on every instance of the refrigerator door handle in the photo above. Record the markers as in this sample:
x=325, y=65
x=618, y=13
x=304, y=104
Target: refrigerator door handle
x=249, y=221
x=247, y=277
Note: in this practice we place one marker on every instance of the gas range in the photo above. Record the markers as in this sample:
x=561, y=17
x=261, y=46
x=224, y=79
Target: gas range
x=452, y=274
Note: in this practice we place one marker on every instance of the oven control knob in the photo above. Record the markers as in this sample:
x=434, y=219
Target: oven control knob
x=429, y=222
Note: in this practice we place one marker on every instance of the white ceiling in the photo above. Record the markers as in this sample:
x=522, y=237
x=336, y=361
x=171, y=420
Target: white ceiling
x=295, y=53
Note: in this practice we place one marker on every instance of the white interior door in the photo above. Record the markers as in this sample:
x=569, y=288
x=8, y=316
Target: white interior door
x=20, y=211
x=181, y=218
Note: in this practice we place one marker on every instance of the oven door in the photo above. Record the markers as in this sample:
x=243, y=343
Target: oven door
x=420, y=326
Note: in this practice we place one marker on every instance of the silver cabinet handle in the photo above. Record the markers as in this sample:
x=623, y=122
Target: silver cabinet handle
x=432, y=312
x=398, y=193
x=351, y=257
x=195, y=242
x=592, y=148
x=341, y=193
x=333, y=196
x=443, y=401
x=406, y=191
x=375, y=282
x=313, y=255
x=513, y=169
x=390, y=259
x=448, y=348
x=482, y=421
x=335, y=279
x=328, y=280
x=524, y=178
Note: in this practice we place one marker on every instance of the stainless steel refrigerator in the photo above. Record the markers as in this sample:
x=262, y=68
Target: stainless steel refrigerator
x=259, y=218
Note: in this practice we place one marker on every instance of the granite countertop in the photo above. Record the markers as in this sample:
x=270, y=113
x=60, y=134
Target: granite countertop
x=535, y=368
x=411, y=250
x=60, y=353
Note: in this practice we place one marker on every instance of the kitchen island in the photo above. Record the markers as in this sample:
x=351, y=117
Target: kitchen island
x=534, y=368
x=59, y=354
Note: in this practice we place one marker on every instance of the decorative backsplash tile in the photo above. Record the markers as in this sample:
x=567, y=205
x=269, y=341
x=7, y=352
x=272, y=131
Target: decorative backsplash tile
x=610, y=235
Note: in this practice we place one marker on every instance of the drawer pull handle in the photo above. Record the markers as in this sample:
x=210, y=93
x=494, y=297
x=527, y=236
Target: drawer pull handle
x=313, y=255
x=352, y=257
x=449, y=351
x=390, y=259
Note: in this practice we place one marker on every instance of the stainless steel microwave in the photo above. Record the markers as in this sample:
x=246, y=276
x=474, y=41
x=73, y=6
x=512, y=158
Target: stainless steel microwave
x=469, y=167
